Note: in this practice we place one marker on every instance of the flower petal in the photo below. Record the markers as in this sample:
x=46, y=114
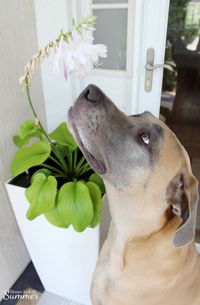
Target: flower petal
x=101, y=49
x=80, y=57
x=75, y=55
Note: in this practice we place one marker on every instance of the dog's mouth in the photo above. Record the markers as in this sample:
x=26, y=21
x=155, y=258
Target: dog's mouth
x=96, y=164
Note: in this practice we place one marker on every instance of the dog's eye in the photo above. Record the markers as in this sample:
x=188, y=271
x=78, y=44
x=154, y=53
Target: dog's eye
x=145, y=138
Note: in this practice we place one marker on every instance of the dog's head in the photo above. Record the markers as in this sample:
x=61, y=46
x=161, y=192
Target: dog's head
x=137, y=153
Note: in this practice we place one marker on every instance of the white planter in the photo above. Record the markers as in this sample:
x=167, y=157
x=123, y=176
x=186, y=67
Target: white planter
x=65, y=260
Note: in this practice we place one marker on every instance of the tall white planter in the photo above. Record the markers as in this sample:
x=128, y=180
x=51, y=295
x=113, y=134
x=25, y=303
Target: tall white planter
x=65, y=260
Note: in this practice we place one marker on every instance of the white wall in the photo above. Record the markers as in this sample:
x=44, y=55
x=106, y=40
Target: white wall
x=51, y=17
x=17, y=43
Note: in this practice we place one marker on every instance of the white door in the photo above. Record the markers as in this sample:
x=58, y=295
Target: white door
x=128, y=28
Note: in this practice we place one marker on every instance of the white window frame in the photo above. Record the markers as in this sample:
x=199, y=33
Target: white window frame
x=129, y=45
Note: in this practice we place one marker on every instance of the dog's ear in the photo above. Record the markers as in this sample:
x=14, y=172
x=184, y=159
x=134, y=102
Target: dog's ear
x=182, y=194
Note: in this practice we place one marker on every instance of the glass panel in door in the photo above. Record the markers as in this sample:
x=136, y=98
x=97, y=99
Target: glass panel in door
x=180, y=101
x=111, y=29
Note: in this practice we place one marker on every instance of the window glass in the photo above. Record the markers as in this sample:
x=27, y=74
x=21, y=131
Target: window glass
x=111, y=29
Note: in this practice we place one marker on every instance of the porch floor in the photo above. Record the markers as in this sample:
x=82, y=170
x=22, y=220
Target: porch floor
x=48, y=298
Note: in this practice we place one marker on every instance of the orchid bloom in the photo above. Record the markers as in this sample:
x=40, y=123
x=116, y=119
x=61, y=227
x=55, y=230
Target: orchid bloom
x=73, y=52
x=75, y=55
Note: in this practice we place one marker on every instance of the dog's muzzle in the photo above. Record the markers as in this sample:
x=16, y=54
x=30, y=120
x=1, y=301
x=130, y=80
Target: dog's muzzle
x=79, y=113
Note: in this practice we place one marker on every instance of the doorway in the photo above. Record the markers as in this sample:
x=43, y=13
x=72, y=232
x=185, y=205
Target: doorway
x=180, y=99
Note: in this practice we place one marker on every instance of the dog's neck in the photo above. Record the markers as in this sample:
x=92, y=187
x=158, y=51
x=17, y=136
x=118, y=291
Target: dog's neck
x=138, y=216
x=135, y=226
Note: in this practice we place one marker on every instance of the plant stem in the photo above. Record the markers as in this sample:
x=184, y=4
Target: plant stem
x=84, y=169
x=60, y=176
x=53, y=147
x=70, y=160
x=35, y=114
x=60, y=157
x=56, y=161
x=54, y=169
x=75, y=157
x=80, y=164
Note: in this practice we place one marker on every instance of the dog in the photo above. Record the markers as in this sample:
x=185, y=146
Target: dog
x=149, y=257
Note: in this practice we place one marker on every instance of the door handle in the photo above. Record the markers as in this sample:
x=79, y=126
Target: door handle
x=150, y=67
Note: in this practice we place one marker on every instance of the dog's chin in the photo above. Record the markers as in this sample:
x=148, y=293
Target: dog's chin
x=96, y=164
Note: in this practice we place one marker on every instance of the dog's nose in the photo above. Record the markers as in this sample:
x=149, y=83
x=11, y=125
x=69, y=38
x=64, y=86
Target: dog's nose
x=91, y=93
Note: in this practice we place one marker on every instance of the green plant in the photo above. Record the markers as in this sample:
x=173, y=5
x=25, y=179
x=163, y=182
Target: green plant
x=63, y=186
x=178, y=27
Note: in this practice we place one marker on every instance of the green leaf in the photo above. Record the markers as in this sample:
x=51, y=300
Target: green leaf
x=63, y=136
x=22, y=142
x=95, y=195
x=27, y=128
x=41, y=195
x=30, y=156
x=57, y=216
x=99, y=181
x=74, y=206
x=44, y=171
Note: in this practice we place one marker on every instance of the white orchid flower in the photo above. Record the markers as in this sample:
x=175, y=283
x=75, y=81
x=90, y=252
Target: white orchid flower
x=75, y=55
x=73, y=51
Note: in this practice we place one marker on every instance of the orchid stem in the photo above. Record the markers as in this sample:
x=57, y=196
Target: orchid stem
x=35, y=114
x=56, y=152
